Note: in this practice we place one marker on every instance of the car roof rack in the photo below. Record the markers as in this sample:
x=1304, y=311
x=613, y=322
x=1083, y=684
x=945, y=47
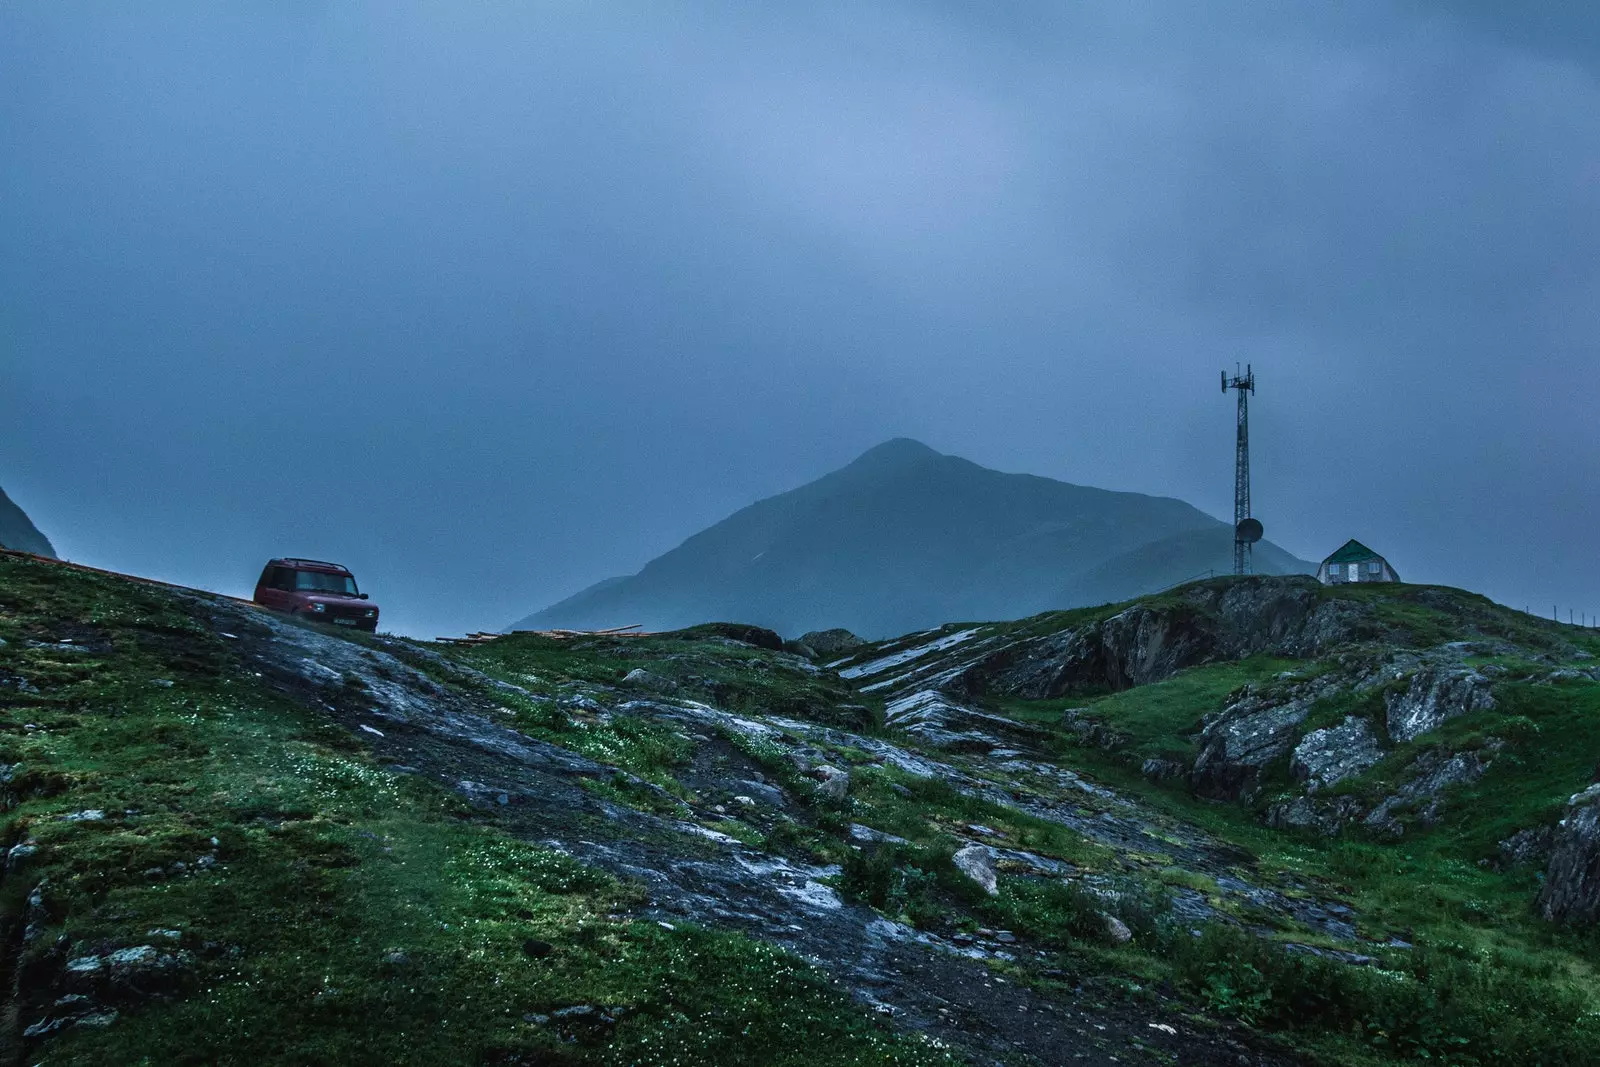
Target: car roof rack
x=313, y=562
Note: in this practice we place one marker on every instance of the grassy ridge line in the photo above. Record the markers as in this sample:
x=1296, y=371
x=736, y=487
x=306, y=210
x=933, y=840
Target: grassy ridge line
x=326, y=910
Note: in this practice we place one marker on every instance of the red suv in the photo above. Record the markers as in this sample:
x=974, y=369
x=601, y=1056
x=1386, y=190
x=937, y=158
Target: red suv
x=317, y=591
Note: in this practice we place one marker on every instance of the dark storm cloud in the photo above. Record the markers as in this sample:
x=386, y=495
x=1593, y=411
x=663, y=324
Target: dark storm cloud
x=492, y=301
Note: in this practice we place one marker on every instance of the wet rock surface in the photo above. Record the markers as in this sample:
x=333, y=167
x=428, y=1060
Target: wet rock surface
x=1238, y=743
x=1328, y=756
x=1435, y=696
x=1571, y=891
x=920, y=979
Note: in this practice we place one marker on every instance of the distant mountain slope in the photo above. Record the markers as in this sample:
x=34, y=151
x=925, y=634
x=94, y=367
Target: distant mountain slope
x=905, y=538
x=18, y=531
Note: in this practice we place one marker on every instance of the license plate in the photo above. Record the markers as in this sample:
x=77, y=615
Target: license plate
x=344, y=622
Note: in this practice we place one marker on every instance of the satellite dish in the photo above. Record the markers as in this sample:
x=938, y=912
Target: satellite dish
x=1249, y=531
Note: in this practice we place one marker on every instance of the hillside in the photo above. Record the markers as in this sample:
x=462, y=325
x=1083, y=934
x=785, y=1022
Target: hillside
x=905, y=538
x=18, y=531
x=1248, y=821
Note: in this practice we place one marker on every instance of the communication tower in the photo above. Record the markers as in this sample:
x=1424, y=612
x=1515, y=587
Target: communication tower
x=1246, y=530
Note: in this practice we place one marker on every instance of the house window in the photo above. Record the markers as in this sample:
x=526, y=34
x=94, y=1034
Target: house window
x=1374, y=567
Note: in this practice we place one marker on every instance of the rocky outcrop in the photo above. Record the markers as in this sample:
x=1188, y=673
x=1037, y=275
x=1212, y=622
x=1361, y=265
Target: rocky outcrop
x=1435, y=696
x=1092, y=731
x=1257, y=729
x=1571, y=890
x=1328, y=756
x=1525, y=847
x=831, y=643
x=1153, y=640
x=1326, y=817
x=941, y=722
x=1427, y=778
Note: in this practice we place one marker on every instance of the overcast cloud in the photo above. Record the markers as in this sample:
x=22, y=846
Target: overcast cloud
x=490, y=301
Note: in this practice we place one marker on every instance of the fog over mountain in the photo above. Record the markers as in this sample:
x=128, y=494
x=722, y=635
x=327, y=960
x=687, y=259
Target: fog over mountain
x=490, y=301
x=904, y=538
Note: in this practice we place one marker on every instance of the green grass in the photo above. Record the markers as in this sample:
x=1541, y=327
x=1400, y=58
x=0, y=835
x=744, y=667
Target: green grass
x=351, y=916
x=928, y=809
x=1160, y=719
x=694, y=664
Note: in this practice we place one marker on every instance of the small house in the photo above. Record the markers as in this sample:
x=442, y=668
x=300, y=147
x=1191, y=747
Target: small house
x=1355, y=562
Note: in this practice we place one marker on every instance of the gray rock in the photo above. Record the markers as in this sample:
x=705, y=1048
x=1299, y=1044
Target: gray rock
x=1525, y=846
x=831, y=643
x=1571, y=891
x=17, y=854
x=1160, y=770
x=762, y=793
x=977, y=863
x=1237, y=743
x=1092, y=732
x=646, y=680
x=1116, y=930
x=1428, y=776
x=859, y=832
x=34, y=916
x=940, y=721
x=832, y=781
x=1330, y=755
x=1327, y=817
x=1435, y=696
x=1150, y=642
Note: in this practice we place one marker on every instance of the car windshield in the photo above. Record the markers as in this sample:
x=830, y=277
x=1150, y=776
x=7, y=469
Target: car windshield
x=323, y=582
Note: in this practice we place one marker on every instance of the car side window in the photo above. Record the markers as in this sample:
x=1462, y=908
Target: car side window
x=267, y=574
x=284, y=579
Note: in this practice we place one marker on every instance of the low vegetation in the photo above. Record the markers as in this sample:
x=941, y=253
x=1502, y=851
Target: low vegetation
x=307, y=905
x=289, y=897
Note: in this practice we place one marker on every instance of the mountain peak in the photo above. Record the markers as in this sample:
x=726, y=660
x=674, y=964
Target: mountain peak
x=895, y=451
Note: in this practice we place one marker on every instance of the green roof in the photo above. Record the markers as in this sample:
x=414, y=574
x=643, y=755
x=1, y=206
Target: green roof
x=1352, y=552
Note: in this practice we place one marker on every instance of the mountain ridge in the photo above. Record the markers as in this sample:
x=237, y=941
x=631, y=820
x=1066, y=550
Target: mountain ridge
x=905, y=537
x=17, y=531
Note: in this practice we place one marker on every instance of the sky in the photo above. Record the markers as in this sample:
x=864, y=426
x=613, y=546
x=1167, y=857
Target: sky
x=490, y=301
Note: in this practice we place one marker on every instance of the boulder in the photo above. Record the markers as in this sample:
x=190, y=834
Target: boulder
x=1571, y=891
x=832, y=782
x=646, y=680
x=1435, y=696
x=977, y=863
x=1328, y=756
x=1117, y=931
x=1327, y=817
x=830, y=644
x=745, y=634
